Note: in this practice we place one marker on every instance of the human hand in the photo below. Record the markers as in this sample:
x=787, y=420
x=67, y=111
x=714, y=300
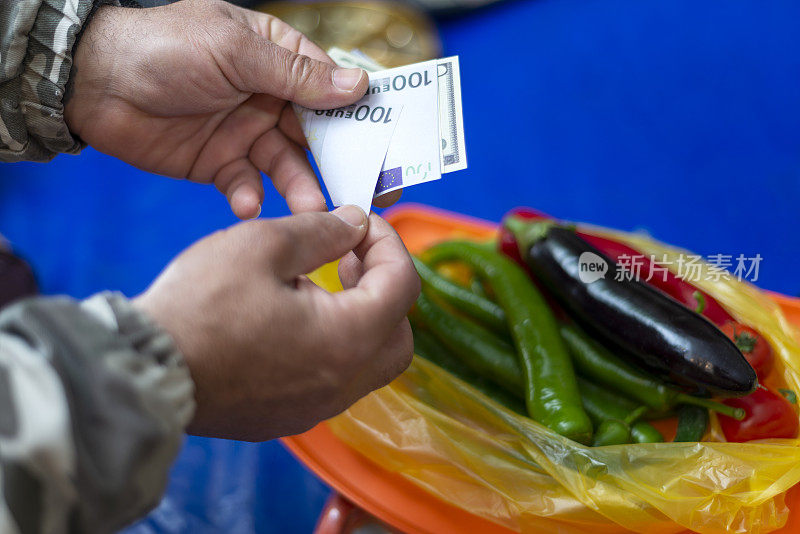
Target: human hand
x=272, y=354
x=200, y=89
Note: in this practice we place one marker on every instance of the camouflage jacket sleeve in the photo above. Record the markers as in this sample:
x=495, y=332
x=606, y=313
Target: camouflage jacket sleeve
x=94, y=399
x=36, y=42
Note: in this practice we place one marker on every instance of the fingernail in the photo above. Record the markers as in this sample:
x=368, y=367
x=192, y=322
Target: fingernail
x=352, y=215
x=258, y=212
x=346, y=79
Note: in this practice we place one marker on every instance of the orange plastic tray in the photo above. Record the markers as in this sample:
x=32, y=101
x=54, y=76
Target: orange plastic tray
x=387, y=495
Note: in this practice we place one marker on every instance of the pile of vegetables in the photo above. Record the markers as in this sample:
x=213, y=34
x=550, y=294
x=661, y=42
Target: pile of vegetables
x=595, y=361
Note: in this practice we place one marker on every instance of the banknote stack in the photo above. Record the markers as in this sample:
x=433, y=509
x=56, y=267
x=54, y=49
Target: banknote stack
x=407, y=130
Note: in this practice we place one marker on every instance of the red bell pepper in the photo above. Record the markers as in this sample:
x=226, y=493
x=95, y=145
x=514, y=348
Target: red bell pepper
x=769, y=415
x=679, y=289
x=753, y=345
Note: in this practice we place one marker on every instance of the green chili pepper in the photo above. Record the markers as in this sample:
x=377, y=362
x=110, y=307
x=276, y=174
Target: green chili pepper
x=476, y=286
x=478, y=348
x=427, y=346
x=551, y=393
x=602, y=404
x=484, y=310
x=692, y=423
x=644, y=432
x=701, y=301
x=655, y=415
x=599, y=403
x=588, y=356
x=612, y=432
x=595, y=361
x=790, y=395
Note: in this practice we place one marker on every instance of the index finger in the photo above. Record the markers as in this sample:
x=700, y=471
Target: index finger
x=389, y=285
x=272, y=28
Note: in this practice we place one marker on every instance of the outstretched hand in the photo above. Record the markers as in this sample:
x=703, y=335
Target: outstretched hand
x=271, y=353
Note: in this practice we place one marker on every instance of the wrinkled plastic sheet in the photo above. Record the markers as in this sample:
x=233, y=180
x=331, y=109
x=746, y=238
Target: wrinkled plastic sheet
x=446, y=437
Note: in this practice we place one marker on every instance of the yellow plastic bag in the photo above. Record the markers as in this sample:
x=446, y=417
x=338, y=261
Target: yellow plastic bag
x=446, y=437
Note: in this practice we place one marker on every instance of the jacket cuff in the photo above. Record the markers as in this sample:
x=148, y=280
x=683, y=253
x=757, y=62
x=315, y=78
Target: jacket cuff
x=37, y=106
x=118, y=396
x=171, y=385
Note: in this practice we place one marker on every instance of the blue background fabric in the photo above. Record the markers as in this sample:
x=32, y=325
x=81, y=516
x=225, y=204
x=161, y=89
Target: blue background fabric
x=678, y=118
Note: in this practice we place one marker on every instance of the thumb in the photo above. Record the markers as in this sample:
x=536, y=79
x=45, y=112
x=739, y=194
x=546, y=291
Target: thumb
x=314, y=239
x=262, y=66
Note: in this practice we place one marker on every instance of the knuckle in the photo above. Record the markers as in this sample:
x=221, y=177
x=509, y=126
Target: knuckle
x=226, y=37
x=228, y=33
x=410, y=280
x=293, y=38
x=206, y=8
x=415, y=285
x=405, y=349
x=400, y=354
x=301, y=69
x=221, y=8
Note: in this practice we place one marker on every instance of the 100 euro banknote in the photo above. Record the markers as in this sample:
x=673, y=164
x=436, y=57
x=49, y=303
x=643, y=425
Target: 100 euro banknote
x=418, y=106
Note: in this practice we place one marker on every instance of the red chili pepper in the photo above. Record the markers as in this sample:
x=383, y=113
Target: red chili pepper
x=679, y=289
x=769, y=415
x=753, y=345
